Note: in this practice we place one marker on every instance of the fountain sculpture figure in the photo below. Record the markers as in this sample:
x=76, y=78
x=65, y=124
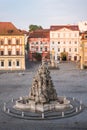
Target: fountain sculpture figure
x=42, y=90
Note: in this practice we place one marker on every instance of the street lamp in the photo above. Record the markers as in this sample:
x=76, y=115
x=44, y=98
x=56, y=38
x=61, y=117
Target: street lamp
x=82, y=55
x=52, y=58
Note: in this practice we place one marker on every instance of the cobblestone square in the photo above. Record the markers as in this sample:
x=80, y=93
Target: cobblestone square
x=69, y=81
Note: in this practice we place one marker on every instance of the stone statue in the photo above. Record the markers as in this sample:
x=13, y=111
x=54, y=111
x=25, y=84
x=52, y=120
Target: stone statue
x=42, y=90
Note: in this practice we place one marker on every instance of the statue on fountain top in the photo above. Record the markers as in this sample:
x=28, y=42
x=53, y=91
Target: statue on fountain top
x=42, y=90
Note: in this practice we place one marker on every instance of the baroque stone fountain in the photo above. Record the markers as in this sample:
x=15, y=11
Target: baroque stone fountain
x=42, y=96
x=43, y=101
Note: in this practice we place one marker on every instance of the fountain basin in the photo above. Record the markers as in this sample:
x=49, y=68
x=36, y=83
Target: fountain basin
x=30, y=105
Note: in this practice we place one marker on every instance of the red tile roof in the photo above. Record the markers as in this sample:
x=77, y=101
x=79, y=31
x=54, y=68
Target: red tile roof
x=25, y=32
x=43, y=33
x=71, y=27
x=7, y=28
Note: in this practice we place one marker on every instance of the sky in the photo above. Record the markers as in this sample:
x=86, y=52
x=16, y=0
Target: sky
x=45, y=13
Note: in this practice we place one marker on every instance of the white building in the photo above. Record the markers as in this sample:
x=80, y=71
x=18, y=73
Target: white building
x=64, y=39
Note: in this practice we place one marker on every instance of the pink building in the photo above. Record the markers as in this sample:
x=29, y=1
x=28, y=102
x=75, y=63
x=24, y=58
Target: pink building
x=39, y=43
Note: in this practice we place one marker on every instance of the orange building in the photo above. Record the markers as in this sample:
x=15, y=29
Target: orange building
x=39, y=43
x=12, y=54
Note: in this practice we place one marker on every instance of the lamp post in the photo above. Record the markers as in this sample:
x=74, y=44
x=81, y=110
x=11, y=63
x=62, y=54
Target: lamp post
x=52, y=58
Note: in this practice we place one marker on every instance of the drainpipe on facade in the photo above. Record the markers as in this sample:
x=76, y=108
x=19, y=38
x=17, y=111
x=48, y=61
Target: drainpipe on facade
x=82, y=55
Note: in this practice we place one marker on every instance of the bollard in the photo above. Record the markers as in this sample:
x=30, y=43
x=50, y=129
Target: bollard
x=21, y=98
x=62, y=114
x=76, y=109
x=64, y=98
x=80, y=108
x=22, y=114
x=73, y=98
x=8, y=110
x=42, y=115
x=12, y=100
x=4, y=106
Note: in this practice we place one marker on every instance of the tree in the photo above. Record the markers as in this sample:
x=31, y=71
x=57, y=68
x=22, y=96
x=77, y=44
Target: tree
x=37, y=56
x=34, y=27
x=64, y=56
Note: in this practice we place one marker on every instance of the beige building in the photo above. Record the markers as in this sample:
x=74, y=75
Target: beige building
x=83, y=50
x=64, y=42
x=12, y=55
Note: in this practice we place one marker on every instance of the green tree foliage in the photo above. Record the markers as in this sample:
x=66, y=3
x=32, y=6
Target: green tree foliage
x=64, y=56
x=37, y=56
x=34, y=27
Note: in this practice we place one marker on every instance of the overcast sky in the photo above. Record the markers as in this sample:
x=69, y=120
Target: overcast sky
x=22, y=13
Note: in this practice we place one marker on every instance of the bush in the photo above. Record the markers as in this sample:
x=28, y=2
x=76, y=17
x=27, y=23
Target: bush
x=37, y=56
x=85, y=66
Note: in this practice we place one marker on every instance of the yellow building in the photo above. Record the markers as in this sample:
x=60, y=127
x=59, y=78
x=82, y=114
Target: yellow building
x=83, y=50
x=12, y=55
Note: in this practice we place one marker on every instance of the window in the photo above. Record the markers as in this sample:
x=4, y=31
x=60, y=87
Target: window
x=75, y=49
x=40, y=42
x=2, y=53
x=17, y=41
x=17, y=53
x=40, y=48
x=58, y=42
x=69, y=42
x=36, y=42
x=64, y=49
x=36, y=48
x=75, y=42
x=17, y=63
x=58, y=49
x=9, y=63
x=45, y=48
x=69, y=49
x=2, y=42
x=9, y=41
x=58, y=57
x=75, y=35
x=2, y=63
x=9, y=53
x=52, y=42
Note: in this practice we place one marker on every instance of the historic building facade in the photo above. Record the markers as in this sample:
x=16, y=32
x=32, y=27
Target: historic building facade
x=12, y=54
x=64, y=42
x=83, y=50
x=39, y=43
